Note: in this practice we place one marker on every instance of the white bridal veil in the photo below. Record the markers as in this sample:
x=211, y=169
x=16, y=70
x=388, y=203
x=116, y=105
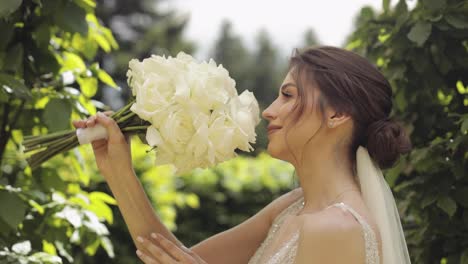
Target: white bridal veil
x=381, y=204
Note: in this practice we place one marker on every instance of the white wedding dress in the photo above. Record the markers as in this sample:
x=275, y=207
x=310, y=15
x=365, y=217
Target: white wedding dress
x=287, y=253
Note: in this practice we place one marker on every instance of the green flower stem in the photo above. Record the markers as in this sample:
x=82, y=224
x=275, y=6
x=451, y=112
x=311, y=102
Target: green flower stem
x=134, y=128
x=123, y=109
x=45, y=138
x=38, y=158
x=126, y=117
x=30, y=145
x=47, y=146
x=51, y=135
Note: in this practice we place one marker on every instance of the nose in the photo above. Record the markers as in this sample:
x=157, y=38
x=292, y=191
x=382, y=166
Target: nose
x=268, y=113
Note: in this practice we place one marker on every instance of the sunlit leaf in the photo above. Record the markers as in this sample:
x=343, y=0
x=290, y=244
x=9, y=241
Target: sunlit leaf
x=72, y=215
x=48, y=247
x=108, y=247
x=42, y=257
x=72, y=62
x=37, y=206
x=102, y=197
x=88, y=86
x=107, y=79
x=22, y=248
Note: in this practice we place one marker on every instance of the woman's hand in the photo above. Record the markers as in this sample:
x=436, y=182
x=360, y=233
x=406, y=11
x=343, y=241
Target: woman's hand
x=163, y=251
x=112, y=155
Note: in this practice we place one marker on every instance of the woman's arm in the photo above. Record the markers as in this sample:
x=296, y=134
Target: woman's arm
x=237, y=245
x=113, y=159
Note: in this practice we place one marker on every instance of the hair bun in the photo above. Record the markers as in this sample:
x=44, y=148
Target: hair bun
x=386, y=141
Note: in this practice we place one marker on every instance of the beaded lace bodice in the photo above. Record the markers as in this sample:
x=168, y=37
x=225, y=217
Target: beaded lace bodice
x=287, y=253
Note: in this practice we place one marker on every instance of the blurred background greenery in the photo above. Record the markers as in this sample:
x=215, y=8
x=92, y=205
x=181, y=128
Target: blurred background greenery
x=65, y=59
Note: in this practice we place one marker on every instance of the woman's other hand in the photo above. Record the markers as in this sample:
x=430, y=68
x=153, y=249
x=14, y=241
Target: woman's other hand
x=112, y=155
x=163, y=251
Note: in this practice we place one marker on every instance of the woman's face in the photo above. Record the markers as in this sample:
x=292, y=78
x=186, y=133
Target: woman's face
x=287, y=140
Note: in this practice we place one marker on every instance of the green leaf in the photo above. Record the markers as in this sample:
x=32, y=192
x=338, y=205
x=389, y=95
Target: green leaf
x=57, y=114
x=85, y=45
x=447, y=204
x=42, y=257
x=435, y=4
x=458, y=21
x=110, y=37
x=88, y=5
x=88, y=86
x=73, y=62
x=6, y=31
x=22, y=248
x=102, y=210
x=428, y=200
x=464, y=126
x=420, y=32
x=13, y=86
x=91, y=249
x=72, y=18
x=14, y=59
x=102, y=197
x=107, y=79
x=9, y=6
x=108, y=247
x=102, y=42
x=13, y=209
x=37, y=206
x=64, y=250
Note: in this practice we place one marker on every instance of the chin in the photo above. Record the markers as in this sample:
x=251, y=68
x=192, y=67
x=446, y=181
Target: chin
x=275, y=152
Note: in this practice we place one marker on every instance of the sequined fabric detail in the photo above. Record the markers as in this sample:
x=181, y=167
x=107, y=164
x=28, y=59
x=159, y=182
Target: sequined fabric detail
x=287, y=253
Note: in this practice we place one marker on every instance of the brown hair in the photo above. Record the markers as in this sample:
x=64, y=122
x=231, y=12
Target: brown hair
x=350, y=84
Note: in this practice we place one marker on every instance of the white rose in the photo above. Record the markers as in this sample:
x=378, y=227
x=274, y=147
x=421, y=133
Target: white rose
x=211, y=86
x=248, y=101
x=152, y=96
x=177, y=128
x=197, y=118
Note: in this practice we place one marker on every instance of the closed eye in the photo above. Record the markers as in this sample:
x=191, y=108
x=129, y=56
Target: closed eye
x=286, y=94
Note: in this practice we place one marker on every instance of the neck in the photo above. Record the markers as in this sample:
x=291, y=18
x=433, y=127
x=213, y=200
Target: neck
x=326, y=179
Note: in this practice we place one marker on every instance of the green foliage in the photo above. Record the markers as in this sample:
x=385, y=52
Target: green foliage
x=154, y=32
x=230, y=193
x=424, y=54
x=47, y=77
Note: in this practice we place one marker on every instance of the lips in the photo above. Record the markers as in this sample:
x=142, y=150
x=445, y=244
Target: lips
x=273, y=128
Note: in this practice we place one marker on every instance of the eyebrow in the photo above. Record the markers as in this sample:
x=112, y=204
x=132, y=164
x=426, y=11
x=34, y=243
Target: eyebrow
x=286, y=85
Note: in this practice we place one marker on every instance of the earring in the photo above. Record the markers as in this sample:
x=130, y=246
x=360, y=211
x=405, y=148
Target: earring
x=330, y=124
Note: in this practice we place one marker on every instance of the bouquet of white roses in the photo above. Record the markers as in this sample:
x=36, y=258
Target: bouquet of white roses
x=190, y=112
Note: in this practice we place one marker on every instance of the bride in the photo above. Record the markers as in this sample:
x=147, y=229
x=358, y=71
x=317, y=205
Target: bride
x=331, y=121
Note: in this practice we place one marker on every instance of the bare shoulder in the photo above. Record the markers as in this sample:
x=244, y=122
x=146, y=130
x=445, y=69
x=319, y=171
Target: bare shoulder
x=280, y=203
x=330, y=236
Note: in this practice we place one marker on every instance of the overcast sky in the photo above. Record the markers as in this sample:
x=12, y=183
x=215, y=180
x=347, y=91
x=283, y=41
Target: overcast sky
x=286, y=21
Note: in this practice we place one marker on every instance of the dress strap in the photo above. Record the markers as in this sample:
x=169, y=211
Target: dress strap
x=372, y=251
